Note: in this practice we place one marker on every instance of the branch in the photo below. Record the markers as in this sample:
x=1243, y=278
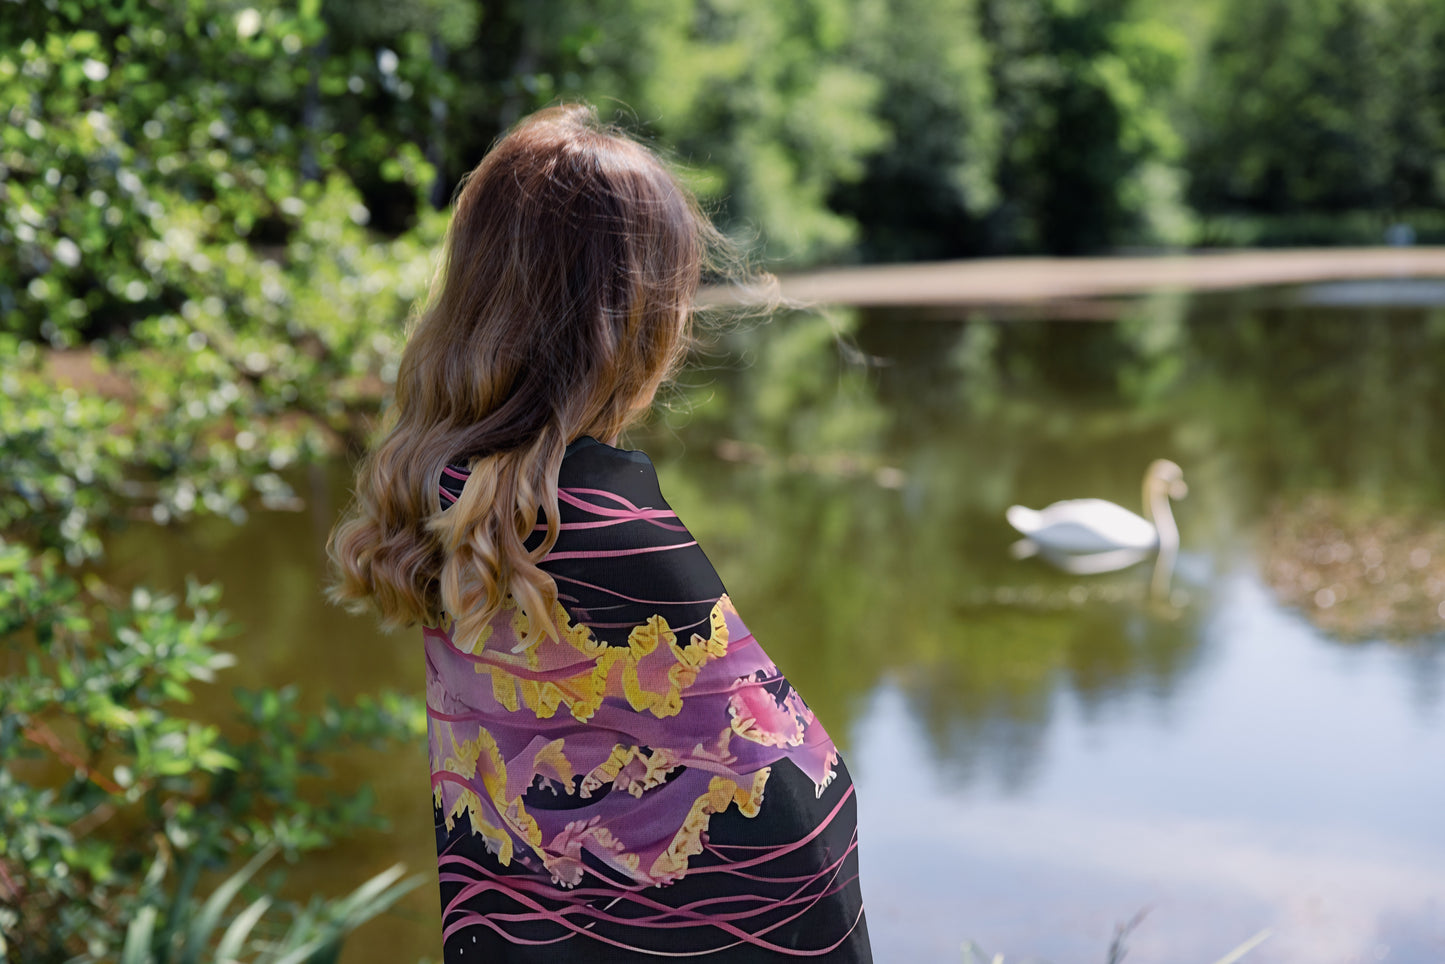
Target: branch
x=42, y=736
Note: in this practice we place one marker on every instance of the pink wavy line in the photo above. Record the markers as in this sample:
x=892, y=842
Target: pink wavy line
x=787, y=849
x=573, y=493
x=690, y=912
x=472, y=919
x=545, y=889
x=656, y=923
x=650, y=602
x=559, y=917
x=852, y=846
x=616, y=516
x=630, y=513
x=613, y=553
x=601, y=524
x=446, y=776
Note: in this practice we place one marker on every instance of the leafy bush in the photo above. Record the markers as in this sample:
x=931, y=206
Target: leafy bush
x=103, y=777
x=241, y=316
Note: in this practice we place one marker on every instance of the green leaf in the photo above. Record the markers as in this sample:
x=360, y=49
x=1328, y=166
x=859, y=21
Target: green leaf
x=199, y=933
x=233, y=941
x=137, y=948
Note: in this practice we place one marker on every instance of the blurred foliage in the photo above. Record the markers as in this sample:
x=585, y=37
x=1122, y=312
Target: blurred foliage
x=925, y=195
x=144, y=184
x=762, y=102
x=102, y=773
x=160, y=155
x=1082, y=91
x=175, y=197
x=1321, y=107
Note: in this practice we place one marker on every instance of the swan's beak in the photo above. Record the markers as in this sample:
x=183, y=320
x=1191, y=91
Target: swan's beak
x=1177, y=489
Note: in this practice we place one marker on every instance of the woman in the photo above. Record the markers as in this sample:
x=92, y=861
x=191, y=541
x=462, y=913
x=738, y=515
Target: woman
x=618, y=769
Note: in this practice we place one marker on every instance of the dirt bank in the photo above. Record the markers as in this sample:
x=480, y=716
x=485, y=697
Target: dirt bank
x=1024, y=280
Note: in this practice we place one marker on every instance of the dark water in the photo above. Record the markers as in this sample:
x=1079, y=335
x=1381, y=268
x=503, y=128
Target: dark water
x=1038, y=756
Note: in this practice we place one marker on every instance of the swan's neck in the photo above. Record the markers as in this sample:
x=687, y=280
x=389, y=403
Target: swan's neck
x=1156, y=506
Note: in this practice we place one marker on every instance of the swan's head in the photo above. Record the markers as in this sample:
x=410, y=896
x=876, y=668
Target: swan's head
x=1164, y=474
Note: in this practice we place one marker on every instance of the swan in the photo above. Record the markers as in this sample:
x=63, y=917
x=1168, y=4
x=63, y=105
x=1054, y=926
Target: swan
x=1084, y=527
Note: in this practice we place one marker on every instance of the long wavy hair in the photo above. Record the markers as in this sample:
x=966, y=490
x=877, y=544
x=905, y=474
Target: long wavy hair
x=564, y=299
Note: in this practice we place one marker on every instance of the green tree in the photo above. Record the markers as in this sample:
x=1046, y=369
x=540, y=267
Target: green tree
x=925, y=195
x=1082, y=90
x=763, y=103
x=1320, y=106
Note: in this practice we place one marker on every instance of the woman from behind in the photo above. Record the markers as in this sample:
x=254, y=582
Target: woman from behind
x=618, y=769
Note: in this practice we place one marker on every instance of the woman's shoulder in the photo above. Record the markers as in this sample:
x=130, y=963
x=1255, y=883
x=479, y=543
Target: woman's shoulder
x=587, y=462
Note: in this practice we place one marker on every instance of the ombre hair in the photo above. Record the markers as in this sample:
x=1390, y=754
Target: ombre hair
x=564, y=299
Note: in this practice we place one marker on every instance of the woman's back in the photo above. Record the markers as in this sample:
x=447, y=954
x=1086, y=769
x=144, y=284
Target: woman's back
x=647, y=782
x=618, y=768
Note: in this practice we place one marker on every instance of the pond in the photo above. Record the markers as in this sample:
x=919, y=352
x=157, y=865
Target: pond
x=1039, y=756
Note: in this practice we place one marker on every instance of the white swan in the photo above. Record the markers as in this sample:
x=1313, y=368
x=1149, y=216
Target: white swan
x=1084, y=527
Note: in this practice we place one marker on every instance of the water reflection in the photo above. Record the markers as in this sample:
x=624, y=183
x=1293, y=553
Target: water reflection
x=1242, y=800
x=1040, y=753
x=987, y=706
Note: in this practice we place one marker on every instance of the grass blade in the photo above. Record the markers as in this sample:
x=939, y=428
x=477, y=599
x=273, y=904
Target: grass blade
x=137, y=948
x=199, y=933
x=234, y=940
x=1246, y=947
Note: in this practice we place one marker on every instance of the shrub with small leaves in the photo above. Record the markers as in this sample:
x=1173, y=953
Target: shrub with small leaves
x=102, y=773
x=242, y=316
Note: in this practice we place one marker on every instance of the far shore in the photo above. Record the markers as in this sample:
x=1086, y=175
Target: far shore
x=1074, y=287
x=1017, y=281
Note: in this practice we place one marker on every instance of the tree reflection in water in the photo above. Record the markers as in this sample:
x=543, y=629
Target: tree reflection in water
x=1267, y=400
